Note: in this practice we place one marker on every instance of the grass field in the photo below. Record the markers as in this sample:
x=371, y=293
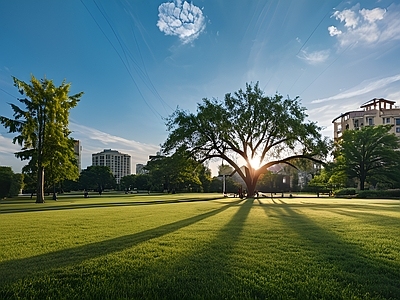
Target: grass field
x=199, y=246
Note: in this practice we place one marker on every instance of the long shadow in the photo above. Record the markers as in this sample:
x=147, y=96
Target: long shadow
x=210, y=267
x=371, y=217
x=104, y=204
x=10, y=270
x=350, y=260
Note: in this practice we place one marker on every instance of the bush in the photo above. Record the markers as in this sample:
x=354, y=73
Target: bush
x=345, y=192
x=379, y=194
x=368, y=194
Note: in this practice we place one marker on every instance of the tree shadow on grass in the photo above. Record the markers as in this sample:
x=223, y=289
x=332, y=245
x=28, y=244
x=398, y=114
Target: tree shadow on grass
x=58, y=206
x=362, y=276
x=25, y=267
x=207, y=273
x=370, y=216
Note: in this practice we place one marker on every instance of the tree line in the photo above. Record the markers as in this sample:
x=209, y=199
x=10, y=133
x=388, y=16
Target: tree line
x=245, y=127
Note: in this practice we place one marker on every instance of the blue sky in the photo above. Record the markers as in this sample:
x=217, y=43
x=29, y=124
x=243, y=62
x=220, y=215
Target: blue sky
x=138, y=60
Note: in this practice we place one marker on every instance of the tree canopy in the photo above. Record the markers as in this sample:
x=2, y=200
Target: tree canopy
x=247, y=126
x=178, y=172
x=369, y=154
x=97, y=178
x=42, y=128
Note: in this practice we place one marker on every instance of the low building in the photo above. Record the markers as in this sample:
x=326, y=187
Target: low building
x=374, y=112
x=119, y=163
x=140, y=169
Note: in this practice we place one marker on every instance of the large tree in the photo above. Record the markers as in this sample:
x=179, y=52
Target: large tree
x=247, y=127
x=369, y=154
x=97, y=178
x=42, y=128
x=175, y=172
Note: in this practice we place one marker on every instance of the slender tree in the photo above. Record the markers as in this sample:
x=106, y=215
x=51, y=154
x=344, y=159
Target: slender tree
x=245, y=127
x=42, y=128
x=369, y=154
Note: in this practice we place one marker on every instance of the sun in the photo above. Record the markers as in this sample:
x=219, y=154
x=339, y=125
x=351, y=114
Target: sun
x=255, y=162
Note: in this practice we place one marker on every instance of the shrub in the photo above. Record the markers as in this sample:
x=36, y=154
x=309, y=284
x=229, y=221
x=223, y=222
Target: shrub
x=345, y=192
x=379, y=194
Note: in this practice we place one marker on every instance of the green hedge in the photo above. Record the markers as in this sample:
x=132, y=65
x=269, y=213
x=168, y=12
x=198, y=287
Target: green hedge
x=368, y=194
x=380, y=194
x=345, y=192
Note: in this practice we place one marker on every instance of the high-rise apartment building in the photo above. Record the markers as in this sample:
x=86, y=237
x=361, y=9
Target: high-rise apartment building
x=375, y=112
x=119, y=163
x=77, y=151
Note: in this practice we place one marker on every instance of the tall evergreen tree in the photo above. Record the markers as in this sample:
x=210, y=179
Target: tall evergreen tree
x=42, y=128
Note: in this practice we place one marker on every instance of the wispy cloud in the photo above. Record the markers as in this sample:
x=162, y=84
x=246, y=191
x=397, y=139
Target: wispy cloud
x=361, y=89
x=93, y=141
x=7, y=146
x=184, y=20
x=315, y=57
x=366, y=26
x=7, y=157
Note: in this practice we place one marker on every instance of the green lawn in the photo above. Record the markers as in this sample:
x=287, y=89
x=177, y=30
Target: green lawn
x=199, y=246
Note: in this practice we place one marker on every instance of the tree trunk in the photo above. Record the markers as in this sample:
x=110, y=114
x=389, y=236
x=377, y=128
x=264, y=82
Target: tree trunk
x=251, y=182
x=40, y=186
x=362, y=184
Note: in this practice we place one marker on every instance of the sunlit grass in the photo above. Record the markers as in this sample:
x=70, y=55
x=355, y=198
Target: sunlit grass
x=224, y=248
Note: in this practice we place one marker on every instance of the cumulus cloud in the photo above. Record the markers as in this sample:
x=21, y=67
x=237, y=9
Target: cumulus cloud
x=363, y=88
x=366, y=26
x=184, y=20
x=349, y=17
x=334, y=31
x=373, y=15
x=315, y=57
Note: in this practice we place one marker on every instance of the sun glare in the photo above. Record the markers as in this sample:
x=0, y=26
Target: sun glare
x=255, y=162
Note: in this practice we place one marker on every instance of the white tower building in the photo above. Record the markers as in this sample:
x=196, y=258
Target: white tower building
x=119, y=163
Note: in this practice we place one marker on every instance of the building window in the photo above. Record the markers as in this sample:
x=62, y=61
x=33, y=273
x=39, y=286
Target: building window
x=397, y=121
x=397, y=129
x=370, y=121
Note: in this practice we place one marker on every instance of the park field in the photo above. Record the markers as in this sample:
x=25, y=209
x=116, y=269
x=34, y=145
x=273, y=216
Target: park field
x=199, y=246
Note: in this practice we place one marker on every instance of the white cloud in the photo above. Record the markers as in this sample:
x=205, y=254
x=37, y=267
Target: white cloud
x=7, y=157
x=334, y=31
x=361, y=89
x=373, y=15
x=183, y=20
x=347, y=16
x=366, y=26
x=315, y=57
x=93, y=141
x=395, y=96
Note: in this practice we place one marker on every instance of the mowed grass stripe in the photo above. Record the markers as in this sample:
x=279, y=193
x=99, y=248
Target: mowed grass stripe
x=269, y=248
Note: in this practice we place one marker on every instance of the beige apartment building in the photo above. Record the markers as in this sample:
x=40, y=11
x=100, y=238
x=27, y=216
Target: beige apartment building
x=119, y=163
x=374, y=112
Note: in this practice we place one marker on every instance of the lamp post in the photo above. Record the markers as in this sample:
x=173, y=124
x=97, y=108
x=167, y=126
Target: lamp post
x=223, y=183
